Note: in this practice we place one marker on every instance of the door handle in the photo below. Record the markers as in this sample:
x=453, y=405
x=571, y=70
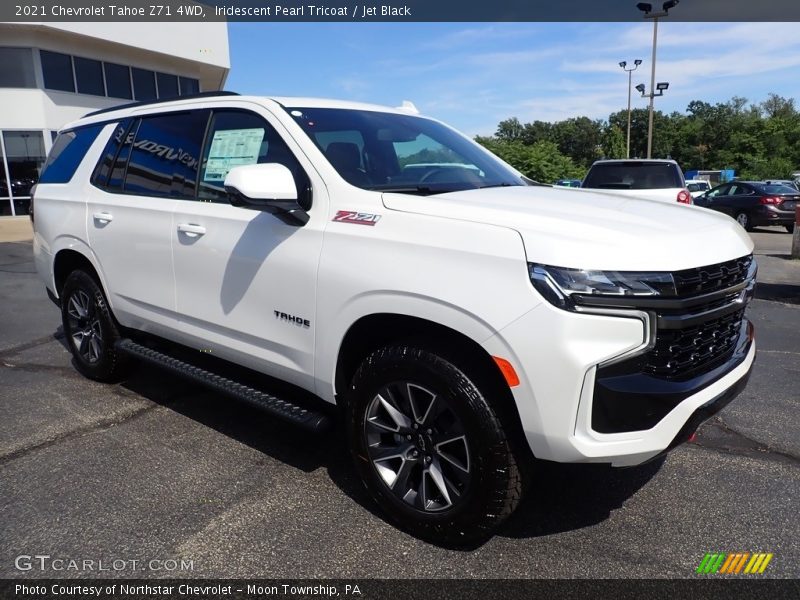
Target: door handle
x=103, y=217
x=191, y=230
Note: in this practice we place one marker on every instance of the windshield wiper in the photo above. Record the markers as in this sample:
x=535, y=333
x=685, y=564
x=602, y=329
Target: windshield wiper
x=421, y=190
x=496, y=185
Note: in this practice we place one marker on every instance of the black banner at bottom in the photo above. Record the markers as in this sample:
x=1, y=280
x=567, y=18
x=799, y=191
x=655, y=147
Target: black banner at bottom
x=427, y=589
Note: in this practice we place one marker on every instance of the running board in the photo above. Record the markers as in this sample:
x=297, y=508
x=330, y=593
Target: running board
x=309, y=420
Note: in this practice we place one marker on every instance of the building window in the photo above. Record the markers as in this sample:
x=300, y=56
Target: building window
x=25, y=156
x=118, y=81
x=57, y=71
x=167, y=85
x=16, y=68
x=189, y=86
x=144, y=84
x=89, y=76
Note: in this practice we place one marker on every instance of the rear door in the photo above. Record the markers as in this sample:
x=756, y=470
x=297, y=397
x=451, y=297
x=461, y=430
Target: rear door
x=148, y=165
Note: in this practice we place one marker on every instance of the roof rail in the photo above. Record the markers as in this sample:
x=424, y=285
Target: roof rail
x=162, y=100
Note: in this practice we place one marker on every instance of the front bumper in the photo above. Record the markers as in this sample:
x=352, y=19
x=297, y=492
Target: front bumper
x=566, y=360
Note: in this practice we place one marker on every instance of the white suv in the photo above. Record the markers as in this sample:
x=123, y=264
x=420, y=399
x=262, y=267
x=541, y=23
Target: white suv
x=463, y=321
x=653, y=179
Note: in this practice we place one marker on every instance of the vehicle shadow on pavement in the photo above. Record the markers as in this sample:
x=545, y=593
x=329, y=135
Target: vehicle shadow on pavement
x=565, y=497
x=556, y=501
x=250, y=426
x=778, y=292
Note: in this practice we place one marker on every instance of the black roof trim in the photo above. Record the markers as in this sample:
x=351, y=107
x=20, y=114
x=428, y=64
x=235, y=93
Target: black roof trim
x=161, y=101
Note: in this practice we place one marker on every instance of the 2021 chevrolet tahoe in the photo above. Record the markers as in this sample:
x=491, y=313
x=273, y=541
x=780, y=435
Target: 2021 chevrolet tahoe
x=465, y=322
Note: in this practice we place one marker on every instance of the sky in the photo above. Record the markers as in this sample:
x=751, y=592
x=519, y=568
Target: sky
x=474, y=75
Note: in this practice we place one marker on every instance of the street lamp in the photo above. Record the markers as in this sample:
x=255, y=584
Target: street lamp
x=647, y=9
x=630, y=71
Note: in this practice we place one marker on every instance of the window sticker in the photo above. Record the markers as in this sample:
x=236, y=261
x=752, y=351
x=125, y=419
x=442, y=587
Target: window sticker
x=232, y=148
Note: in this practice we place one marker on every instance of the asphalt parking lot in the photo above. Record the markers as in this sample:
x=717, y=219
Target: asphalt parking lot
x=154, y=468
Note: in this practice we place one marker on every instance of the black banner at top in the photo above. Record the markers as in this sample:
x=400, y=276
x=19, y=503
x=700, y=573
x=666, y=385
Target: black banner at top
x=396, y=10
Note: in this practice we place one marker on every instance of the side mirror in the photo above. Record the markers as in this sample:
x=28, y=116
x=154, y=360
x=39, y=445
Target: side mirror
x=268, y=187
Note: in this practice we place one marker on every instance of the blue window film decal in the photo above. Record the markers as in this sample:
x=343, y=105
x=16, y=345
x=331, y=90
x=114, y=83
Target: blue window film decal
x=67, y=153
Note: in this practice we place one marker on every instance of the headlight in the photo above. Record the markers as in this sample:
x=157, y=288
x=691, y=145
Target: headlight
x=558, y=284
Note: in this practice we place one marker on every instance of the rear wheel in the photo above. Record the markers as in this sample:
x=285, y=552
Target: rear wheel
x=790, y=228
x=744, y=220
x=90, y=329
x=429, y=447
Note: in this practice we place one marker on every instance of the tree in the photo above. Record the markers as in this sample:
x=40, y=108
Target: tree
x=509, y=130
x=580, y=139
x=540, y=161
x=760, y=140
x=614, y=142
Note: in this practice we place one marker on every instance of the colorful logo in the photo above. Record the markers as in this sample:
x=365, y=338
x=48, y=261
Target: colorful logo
x=734, y=563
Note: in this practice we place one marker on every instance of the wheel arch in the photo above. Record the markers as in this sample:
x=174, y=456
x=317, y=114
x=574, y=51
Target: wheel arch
x=67, y=260
x=376, y=330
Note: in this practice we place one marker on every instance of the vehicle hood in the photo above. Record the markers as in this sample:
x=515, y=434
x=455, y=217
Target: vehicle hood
x=592, y=230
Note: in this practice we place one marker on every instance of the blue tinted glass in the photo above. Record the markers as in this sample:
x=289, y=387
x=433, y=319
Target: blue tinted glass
x=164, y=158
x=67, y=153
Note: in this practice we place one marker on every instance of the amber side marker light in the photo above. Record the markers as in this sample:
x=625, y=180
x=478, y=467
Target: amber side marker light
x=511, y=377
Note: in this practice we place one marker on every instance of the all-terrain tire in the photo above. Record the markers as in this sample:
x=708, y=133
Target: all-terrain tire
x=406, y=377
x=90, y=329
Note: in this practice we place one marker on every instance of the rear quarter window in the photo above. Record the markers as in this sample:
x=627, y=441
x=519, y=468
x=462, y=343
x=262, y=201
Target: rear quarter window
x=67, y=152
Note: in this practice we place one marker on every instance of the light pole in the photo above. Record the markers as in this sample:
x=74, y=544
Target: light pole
x=630, y=71
x=647, y=9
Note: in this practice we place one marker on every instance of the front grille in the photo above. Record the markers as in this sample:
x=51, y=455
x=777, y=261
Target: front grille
x=701, y=280
x=681, y=353
x=701, y=335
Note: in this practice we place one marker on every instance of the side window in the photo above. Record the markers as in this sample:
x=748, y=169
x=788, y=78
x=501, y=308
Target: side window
x=720, y=191
x=238, y=138
x=739, y=190
x=164, y=155
x=116, y=180
x=109, y=155
x=67, y=153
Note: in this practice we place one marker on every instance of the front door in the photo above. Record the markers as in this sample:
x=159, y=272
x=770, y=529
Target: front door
x=246, y=281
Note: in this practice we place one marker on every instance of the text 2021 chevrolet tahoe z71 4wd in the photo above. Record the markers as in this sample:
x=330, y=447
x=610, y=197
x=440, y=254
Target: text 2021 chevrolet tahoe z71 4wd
x=463, y=321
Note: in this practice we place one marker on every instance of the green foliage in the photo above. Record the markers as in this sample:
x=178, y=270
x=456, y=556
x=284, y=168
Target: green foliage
x=758, y=141
x=540, y=161
x=614, y=142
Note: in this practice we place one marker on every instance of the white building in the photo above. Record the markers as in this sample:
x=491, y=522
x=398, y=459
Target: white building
x=53, y=73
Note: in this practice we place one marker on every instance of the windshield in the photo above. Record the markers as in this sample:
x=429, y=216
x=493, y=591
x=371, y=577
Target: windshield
x=400, y=153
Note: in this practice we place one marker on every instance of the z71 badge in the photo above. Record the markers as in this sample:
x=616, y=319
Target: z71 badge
x=358, y=218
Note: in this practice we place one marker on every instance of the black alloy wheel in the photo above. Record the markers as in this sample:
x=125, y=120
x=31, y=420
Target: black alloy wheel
x=90, y=329
x=429, y=445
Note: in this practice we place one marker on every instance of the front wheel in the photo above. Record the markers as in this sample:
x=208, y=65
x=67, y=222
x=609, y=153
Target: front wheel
x=90, y=330
x=744, y=220
x=429, y=447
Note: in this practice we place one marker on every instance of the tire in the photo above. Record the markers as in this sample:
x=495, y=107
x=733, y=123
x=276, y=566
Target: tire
x=90, y=329
x=790, y=228
x=442, y=469
x=744, y=220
